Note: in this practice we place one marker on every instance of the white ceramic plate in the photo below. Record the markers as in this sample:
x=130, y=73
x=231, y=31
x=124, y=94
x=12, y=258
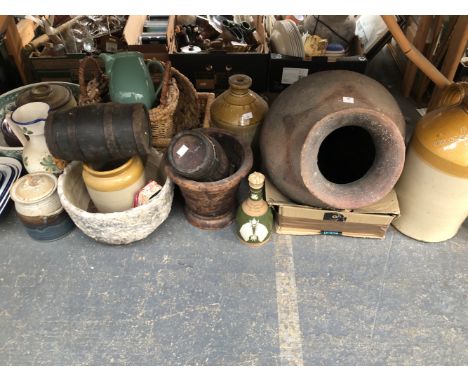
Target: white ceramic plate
x=7, y=171
x=290, y=46
x=295, y=37
x=277, y=40
x=292, y=49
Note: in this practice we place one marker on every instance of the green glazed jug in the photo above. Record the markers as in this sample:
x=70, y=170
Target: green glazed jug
x=129, y=78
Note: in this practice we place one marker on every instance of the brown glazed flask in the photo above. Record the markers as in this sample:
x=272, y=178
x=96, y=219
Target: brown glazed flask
x=239, y=110
x=197, y=156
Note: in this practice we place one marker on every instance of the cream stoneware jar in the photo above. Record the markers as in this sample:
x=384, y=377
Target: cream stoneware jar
x=112, y=187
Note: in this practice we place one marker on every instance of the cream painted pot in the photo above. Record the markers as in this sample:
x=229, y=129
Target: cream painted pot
x=433, y=188
x=113, y=190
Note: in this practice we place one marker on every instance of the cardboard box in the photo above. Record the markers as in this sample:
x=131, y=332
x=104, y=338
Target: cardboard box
x=209, y=71
x=295, y=219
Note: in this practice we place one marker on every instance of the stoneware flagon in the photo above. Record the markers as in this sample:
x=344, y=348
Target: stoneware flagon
x=29, y=120
x=239, y=110
x=433, y=189
x=38, y=207
x=130, y=79
x=112, y=186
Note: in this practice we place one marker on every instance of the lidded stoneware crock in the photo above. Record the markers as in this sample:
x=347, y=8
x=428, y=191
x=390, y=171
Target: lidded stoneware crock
x=38, y=206
x=58, y=97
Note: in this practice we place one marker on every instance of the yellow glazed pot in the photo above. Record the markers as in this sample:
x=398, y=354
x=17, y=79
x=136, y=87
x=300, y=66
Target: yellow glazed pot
x=239, y=110
x=433, y=188
x=113, y=190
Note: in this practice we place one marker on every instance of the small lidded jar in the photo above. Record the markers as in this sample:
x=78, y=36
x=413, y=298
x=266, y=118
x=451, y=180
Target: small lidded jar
x=58, y=97
x=38, y=206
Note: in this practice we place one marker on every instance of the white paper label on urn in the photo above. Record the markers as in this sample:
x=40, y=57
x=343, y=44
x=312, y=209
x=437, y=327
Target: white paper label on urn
x=247, y=116
x=348, y=99
x=181, y=152
x=291, y=75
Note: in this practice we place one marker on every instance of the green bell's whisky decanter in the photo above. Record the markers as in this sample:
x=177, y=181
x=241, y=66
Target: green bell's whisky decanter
x=254, y=216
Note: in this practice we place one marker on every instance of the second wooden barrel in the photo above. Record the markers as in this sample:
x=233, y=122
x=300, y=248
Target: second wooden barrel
x=198, y=156
x=99, y=132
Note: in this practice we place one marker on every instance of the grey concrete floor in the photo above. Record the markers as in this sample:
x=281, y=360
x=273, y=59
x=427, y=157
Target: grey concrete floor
x=184, y=296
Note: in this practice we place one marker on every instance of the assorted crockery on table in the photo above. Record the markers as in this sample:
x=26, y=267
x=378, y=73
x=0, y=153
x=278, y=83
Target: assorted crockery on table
x=309, y=36
x=200, y=33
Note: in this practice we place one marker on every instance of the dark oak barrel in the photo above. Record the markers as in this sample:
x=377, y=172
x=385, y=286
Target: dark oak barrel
x=99, y=132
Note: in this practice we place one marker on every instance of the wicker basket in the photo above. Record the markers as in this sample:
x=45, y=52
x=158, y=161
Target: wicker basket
x=116, y=227
x=97, y=89
x=181, y=108
x=187, y=114
x=204, y=101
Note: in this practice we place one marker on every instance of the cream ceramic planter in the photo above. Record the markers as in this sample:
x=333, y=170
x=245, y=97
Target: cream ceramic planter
x=114, y=190
x=117, y=227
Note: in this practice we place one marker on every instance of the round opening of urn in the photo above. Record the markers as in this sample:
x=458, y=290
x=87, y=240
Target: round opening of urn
x=346, y=154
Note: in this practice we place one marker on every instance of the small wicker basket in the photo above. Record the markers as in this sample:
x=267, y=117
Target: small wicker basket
x=97, y=89
x=181, y=108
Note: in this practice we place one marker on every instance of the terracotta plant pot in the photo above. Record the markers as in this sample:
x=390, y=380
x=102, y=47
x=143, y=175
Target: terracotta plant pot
x=212, y=205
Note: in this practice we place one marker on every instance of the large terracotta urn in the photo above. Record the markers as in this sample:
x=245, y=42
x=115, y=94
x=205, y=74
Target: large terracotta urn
x=334, y=139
